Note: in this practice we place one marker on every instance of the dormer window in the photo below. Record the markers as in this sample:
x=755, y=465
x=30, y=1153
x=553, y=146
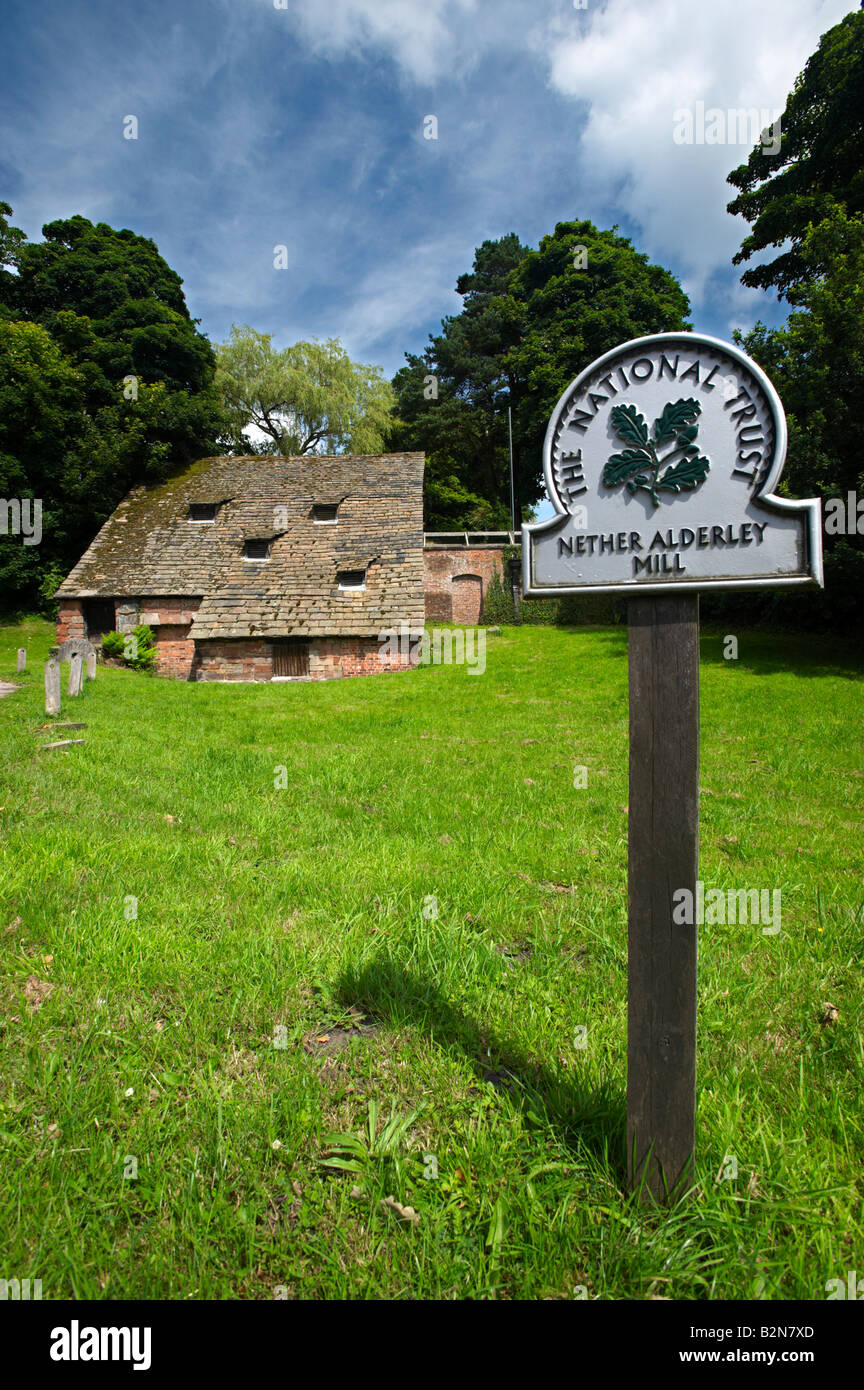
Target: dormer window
x=202, y=511
x=324, y=512
x=256, y=550
x=351, y=579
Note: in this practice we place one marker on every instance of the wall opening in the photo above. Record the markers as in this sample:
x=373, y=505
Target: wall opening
x=290, y=658
x=98, y=617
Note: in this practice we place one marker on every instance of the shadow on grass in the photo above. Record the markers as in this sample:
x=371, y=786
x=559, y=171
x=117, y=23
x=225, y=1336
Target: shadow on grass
x=584, y=1118
x=806, y=655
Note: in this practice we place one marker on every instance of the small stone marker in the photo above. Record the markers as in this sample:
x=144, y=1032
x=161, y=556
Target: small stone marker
x=91, y=666
x=64, y=726
x=61, y=743
x=76, y=675
x=52, y=686
x=662, y=461
x=22, y=660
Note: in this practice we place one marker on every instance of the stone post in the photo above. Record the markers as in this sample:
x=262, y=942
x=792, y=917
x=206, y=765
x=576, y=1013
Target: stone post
x=52, y=686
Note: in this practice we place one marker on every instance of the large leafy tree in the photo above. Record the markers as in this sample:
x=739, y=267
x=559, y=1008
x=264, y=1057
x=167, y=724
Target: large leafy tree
x=101, y=317
x=817, y=364
x=573, y=313
x=307, y=398
x=820, y=165
x=453, y=397
x=117, y=310
x=532, y=320
x=42, y=431
x=11, y=241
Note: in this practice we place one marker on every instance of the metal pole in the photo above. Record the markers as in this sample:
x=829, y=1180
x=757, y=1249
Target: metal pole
x=512, y=484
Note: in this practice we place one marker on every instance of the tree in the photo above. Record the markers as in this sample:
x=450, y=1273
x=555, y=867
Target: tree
x=821, y=161
x=532, y=321
x=453, y=398
x=817, y=364
x=574, y=312
x=105, y=382
x=309, y=398
x=114, y=305
x=77, y=462
x=11, y=241
x=42, y=430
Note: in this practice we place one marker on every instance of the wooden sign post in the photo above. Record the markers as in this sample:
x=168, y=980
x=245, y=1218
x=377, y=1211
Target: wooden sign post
x=661, y=460
x=663, y=853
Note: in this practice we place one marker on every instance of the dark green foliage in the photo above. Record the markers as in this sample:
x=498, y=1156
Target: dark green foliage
x=105, y=382
x=817, y=364
x=50, y=580
x=813, y=198
x=452, y=399
x=569, y=611
x=136, y=649
x=140, y=653
x=112, y=646
x=530, y=323
x=821, y=164
x=498, y=603
x=498, y=606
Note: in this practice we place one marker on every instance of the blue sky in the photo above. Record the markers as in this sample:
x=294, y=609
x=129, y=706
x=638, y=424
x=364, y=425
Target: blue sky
x=303, y=126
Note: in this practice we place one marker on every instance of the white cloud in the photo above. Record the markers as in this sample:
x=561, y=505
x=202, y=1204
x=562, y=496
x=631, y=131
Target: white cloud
x=419, y=34
x=635, y=65
x=395, y=300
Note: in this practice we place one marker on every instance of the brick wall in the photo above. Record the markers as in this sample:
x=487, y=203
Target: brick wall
x=459, y=602
x=170, y=620
x=70, y=619
x=241, y=659
x=331, y=657
x=251, y=659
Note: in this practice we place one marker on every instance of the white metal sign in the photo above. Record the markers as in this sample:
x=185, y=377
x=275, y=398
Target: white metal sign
x=661, y=460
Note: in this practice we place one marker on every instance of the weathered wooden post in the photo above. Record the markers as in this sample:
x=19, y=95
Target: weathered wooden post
x=91, y=665
x=22, y=660
x=76, y=681
x=661, y=460
x=52, y=686
x=663, y=854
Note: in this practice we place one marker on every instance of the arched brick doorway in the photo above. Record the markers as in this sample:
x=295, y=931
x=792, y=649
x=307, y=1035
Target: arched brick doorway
x=467, y=599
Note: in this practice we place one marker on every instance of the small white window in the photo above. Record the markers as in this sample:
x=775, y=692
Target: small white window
x=256, y=550
x=352, y=579
x=203, y=511
x=325, y=513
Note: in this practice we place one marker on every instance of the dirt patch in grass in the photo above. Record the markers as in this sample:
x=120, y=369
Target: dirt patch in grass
x=325, y=1040
x=36, y=991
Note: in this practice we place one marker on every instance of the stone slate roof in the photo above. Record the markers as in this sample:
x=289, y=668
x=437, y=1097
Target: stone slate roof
x=150, y=549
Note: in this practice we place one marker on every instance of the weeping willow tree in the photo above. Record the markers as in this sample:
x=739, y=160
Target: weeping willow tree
x=309, y=398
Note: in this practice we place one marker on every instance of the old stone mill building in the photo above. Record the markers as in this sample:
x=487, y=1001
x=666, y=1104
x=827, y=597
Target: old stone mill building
x=277, y=568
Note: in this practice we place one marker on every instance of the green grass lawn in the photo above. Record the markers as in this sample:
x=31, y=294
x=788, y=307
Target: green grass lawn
x=242, y=920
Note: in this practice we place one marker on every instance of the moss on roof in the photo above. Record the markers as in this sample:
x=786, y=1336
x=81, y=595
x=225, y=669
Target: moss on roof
x=149, y=548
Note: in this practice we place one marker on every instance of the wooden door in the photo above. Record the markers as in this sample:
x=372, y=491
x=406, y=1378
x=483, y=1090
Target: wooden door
x=290, y=658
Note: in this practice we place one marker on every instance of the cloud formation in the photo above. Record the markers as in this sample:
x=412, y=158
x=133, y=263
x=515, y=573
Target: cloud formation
x=303, y=127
